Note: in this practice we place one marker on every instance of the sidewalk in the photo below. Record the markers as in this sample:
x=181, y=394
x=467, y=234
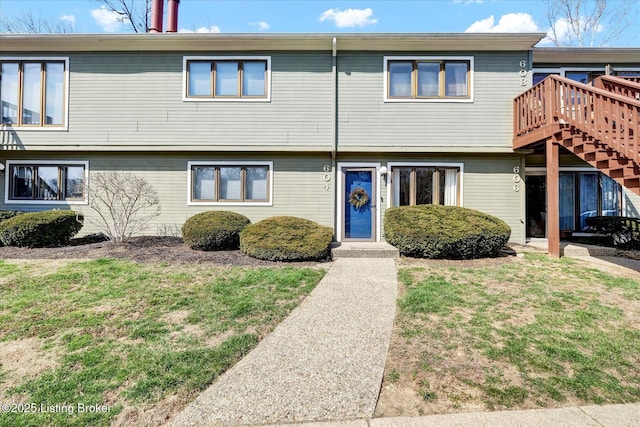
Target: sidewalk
x=325, y=361
x=597, y=416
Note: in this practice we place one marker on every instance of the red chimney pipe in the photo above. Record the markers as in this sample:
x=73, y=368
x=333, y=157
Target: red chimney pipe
x=172, y=16
x=156, y=16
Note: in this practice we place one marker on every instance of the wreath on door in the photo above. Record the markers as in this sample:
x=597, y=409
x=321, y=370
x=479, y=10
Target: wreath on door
x=358, y=198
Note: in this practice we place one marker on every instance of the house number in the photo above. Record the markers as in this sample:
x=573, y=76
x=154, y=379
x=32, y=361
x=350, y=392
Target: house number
x=523, y=63
x=327, y=177
x=327, y=186
x=516, y=187
x=326, y=168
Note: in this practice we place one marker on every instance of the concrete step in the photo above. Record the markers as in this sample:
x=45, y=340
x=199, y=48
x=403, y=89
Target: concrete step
x=363, y=250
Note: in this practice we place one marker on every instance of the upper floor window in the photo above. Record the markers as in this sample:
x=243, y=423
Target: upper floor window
x=33, y=92
x=227, y=78
x=43, y=181
x=428, y=79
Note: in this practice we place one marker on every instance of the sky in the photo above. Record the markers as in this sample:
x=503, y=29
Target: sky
x=310, y=16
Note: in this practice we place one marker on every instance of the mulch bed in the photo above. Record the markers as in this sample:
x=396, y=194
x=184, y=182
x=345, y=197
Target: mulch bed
x=151, y=250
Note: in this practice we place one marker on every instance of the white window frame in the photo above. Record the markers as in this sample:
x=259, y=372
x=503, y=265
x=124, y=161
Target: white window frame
x=185, y=83
x=214, y=163
x=46, y=162
x=49, y=128
x=391, y=165
x=385, y=68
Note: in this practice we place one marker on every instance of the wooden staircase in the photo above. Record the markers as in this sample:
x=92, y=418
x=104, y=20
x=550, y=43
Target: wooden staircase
x=600, y=123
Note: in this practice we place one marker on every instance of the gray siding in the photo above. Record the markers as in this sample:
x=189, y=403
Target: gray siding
x=298, y=186
x=134, y=101
x=366, y=121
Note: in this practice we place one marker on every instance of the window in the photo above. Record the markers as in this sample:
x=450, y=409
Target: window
x=230, y=182
x=46, y=182
x=33, y=92
x=423, y=185
x=428, y=79
x=587, y=194
x=227, y=78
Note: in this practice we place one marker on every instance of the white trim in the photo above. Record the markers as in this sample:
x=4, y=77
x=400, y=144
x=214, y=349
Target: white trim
x=340, y=199
x=541, y=170
x=391, y=165
x=269, y=164
x=46, y=162
x=385, y=85
x=227, y=58
x=67, y=73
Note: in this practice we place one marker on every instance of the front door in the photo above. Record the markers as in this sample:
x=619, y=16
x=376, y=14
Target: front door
x=359, y=203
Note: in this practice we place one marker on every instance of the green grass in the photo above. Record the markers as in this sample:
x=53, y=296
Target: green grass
x=539, y=332
x=131, y=334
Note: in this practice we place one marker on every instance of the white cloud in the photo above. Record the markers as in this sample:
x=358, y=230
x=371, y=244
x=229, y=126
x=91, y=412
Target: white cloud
x=509, y=23
x=70, y=19
x=348, y=17
x=564, y=32
x=211, y=29
x=261, y=26
x=109, y=20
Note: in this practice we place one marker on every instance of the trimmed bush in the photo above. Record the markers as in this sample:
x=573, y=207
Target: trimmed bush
x=620, y=231
x=286, y=238
x=38, y=229
x=214, y=230
x=434, y=231
x=4, y=215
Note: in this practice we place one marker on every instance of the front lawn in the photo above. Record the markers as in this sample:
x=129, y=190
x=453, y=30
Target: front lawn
x=511, y=333
x=140, y=340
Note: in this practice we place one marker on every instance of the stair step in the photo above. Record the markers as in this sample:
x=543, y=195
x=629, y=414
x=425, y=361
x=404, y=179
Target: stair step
x=363, y=250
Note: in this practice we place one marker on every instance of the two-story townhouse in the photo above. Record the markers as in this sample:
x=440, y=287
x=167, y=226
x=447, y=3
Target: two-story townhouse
x=284, y=124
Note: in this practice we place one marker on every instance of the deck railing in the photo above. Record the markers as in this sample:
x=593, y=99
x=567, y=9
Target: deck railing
x=622, y=86
x=609, y=117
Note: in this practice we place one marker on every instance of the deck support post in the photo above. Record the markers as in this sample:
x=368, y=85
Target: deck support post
x=553, y=197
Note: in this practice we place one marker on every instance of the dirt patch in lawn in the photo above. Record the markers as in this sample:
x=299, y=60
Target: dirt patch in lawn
x=22, y=358
x=151, y=250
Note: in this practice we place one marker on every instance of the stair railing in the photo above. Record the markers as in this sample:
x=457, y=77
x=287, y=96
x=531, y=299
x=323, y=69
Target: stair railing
x=609, y=117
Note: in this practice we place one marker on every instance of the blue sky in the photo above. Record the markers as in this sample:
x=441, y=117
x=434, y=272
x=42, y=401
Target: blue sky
x=321, y=16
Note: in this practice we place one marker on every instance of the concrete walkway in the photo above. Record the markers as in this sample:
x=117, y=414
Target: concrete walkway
x=323, y=362
x=584, y=416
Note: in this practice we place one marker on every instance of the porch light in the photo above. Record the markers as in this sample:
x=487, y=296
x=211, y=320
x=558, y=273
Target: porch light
x=383, y=170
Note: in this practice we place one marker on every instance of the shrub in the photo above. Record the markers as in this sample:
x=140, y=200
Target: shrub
x=124, y=204
x=286, y=238
x=623, y=232
x=4, y=215
x=215, y=230
x=38, y=229
x=433, y=231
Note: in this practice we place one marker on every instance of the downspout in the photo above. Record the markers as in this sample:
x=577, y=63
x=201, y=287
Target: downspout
x=334, y=135
x=156, y=16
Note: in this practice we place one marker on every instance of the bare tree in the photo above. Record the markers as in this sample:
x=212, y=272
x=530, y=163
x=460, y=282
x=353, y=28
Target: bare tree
x=27, y=23
x=125, y=204
x=133, y=13
x=589, y=22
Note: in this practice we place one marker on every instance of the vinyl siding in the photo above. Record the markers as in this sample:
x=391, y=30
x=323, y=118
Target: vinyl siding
x=298, y=186
x=128, y=101
x=367, y=122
